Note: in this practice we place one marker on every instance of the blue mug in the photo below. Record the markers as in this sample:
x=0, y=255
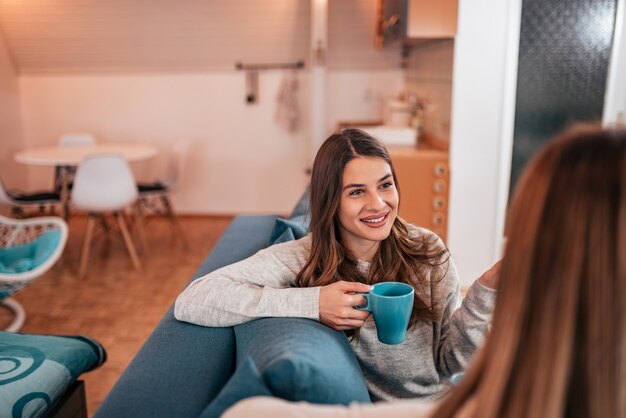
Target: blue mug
x=456, y=378
x=391, y=304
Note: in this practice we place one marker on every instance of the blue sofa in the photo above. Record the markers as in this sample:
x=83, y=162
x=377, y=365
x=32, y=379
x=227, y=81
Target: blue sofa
x=182, y=368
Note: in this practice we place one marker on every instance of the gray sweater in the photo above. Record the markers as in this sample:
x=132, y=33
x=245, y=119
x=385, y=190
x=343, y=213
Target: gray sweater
x=262, y=286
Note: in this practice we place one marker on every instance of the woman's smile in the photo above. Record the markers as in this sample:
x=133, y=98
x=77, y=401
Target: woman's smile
x=376, y=221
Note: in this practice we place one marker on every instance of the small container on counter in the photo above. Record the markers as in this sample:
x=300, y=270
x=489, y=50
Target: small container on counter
x=397, y=114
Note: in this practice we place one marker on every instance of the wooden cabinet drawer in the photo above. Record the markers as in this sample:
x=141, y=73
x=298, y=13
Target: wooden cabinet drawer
x=424, y=178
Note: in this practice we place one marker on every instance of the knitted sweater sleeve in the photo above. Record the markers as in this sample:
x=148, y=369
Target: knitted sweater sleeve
x=259, y=286
x=464, y=322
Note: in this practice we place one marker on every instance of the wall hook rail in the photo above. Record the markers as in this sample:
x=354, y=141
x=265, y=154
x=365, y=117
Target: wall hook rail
x=272, y=66
x=252, y=75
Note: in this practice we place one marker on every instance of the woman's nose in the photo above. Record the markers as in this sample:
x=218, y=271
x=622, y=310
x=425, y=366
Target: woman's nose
x=376, y=202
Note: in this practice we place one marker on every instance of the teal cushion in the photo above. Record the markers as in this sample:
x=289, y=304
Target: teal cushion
x=26, y=257
x=302, y=207
x=35, y=370
x=289, y=229
x=296, y=226
x=302, y=360
x=246, y=382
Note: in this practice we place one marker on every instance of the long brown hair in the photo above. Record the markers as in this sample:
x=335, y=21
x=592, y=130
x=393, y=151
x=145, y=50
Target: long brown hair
x=400, y=257
x=558, y=342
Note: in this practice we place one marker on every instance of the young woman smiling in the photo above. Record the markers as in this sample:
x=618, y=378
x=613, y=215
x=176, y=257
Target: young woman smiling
x=355, y=240
x=557, y=347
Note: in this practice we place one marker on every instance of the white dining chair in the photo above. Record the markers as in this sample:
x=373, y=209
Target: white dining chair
x=155, y=197
x=71, y=140
x=104, y=184
x=20, y=201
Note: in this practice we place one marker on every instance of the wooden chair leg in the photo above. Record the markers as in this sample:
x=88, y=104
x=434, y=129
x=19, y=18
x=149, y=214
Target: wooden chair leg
x=141, y=231
x=130, y=246
x=169, y=212
x=84, y=254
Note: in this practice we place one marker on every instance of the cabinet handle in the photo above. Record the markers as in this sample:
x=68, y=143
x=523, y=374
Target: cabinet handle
x=439, y=186
x=437, y=219
x=438, y=202
x=440, y=169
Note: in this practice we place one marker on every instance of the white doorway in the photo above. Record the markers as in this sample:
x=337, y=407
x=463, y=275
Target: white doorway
x=615, y=99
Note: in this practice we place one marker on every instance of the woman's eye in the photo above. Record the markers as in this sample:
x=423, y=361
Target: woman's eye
x=386, y=185
x=356, y=192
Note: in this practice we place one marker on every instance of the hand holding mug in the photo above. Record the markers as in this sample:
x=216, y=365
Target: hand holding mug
x=337, y=302
x=391, y=304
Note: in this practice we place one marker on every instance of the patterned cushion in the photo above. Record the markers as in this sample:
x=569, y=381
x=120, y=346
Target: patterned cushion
x=35, y=370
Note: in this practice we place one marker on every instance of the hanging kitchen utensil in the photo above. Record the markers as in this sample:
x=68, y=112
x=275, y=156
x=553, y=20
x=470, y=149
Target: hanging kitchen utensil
x=252, y=86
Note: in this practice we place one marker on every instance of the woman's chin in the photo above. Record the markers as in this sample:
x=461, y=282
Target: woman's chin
x=376, y=234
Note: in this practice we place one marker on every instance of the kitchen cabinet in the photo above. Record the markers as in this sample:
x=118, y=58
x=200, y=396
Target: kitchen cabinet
x=406, y=20
x=432, y=19
x=424, y=179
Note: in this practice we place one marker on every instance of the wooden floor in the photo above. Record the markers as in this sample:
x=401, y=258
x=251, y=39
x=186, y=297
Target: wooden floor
x=114, y=304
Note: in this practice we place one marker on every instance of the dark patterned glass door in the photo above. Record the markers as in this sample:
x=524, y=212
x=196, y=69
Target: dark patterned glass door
x=563, y=64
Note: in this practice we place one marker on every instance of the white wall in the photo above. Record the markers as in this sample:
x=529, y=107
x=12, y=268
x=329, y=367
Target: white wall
x=10, y=123
x=241, y=161
x=482, y=116
x=361, y=95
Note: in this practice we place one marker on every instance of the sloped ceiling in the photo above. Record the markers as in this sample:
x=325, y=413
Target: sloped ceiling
x=60, y=36
x=108, y=36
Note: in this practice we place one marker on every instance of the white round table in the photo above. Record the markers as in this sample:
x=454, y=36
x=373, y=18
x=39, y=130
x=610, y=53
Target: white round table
x=66, y=159
x=72, y=156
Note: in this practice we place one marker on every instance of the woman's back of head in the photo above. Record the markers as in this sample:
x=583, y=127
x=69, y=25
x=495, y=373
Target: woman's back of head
x=558, y=342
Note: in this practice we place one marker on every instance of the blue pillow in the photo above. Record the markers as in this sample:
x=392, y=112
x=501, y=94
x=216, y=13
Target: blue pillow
x=246, y=382
x=289, y=229
x=35, y=370
x=302, y=360
x=26, y=257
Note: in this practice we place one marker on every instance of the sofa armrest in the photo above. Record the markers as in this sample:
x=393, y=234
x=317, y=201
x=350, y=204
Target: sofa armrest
x=182, y=367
